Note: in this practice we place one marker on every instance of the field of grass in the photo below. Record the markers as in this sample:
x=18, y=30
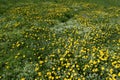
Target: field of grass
x=60, y=40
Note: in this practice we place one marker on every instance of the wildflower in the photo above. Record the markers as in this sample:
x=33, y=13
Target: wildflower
x=23, y=56
x=113, y=63
x=39, y=73
x=85, y=67
x=58, y=69
x=77, y=66
x=42, y=49
x=61, y=59
x=117, y=66
x=82, y=51
x=7, y=67
x=22, y=78
x=114, y=76
x=41, y=62
x=65, y=79
x=95, y=70
x=67, y=65
x=50, y=77
x=53, y=68
x=101, y=52
x=111, y=71
x=57, y=77
x=58, y=50
x=16, y=57
x=102, y=68
x=17, y=44
x=48, y=73
x=91, y=61
x=37, y=68
x=94, y=62
x=119, y=74
x=79, y=79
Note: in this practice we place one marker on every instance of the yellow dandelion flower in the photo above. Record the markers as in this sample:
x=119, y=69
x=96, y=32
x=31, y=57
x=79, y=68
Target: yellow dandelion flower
x=36, y=64
x=109, y=79
x=67, y=65
x=111, y=71
x=73, y=71
x=102, y=68
x=16, y=57
x=23, y=56
x=119, y=74
x=61, y=59
x=82, y=51
x=117, y=66
x=83, y=78
x=85, y=67
x=77, y=66
x=58, y=50
x=66, y=52
x=42, y=49
x=37, y=68
x=98, y=60
x=18, y=45
x=113, y=76
x=57, y=77
x=101, y=52
x=65, y=79
x=41, y=62
x=95, y=70
x=22, y=78
x=53, y=68
x=58, y=69
x=48, y=73
x=7, y=67
x=91, y=61
x=39, y=74
x=113, y=63
x=94, y=62
x=79, y=79
x=50, y=77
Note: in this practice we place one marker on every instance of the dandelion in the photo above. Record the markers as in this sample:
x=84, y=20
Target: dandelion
x=22, y=78
x=37, y=68
x=94, y=62
x=79, y=79
x=61, y=59
x=57, y=77
x=114, y=76
x=42, y=49
x=95, y=70
x=41, y=62
x=16, y=57
x=58, y=68
x=117, y=66
x=48, y=73
x=17, y=44
x=119, y=74
x=39, y=74
x=67, y=65
x=23, y=56
x=7, y=67
x=102, y=68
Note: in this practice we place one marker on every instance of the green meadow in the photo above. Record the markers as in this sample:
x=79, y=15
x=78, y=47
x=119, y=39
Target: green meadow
x=59, y=40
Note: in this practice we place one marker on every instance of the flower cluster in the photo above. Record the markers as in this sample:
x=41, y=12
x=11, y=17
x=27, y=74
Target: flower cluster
x=31, y=50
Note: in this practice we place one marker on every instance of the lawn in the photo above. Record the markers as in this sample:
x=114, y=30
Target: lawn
x=60, y=40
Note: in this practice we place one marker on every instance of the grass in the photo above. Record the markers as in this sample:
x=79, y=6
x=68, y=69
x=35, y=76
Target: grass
x=59, y=40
